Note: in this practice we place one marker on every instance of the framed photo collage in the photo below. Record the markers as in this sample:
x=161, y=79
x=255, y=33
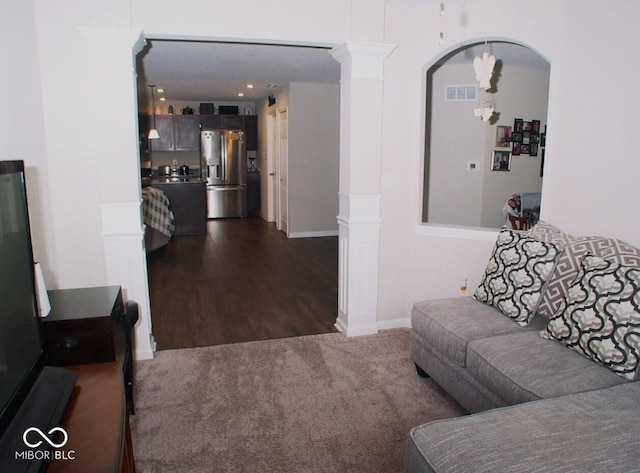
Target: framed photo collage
x=523, y=139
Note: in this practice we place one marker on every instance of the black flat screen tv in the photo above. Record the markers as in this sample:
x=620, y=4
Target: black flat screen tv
x=32, y=395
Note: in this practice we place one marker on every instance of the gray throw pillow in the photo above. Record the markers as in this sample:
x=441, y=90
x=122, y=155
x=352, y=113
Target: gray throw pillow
x=568, y=264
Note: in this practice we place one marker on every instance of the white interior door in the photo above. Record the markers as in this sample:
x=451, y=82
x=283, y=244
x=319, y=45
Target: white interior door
x=283, y=155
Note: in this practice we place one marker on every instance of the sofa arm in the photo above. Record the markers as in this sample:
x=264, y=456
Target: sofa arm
x=591, y=431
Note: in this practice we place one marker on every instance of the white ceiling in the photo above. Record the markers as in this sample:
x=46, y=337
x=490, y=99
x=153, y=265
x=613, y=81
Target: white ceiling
x=205, y=71
x=191, y=71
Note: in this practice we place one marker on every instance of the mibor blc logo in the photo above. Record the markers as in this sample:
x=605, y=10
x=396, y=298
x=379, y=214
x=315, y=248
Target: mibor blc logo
x=28, y=443
x=33, y=438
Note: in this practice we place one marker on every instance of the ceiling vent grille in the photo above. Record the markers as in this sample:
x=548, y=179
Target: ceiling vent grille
x=461, y=93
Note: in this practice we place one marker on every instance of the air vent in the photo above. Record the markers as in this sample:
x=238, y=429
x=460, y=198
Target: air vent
x=465, y=93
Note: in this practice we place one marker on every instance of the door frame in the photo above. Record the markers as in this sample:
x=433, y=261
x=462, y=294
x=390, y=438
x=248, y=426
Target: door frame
x=272, y=188
x=282, y=169
x=276, y=206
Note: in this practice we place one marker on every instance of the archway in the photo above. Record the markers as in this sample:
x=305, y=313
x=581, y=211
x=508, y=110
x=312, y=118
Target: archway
x=285, y=94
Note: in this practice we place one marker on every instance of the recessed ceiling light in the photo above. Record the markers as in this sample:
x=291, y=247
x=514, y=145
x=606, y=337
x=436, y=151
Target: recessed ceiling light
x=240, y=94
x=163, y=99
x=249, y=86
x=160, y=90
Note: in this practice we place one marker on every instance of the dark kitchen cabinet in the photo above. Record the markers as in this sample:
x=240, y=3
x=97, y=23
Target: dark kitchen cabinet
x=253, y=194
x=235, y=122
x=186, y=132
x=210, y=122
x=188, y=202
x=251, y=132
x=177, y=133
x=164, y=125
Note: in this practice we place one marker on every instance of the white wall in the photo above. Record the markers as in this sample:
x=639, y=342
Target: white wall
x=570, y=34
x=456, y=137
x=314, y=141
x=586, y=41
x=314, y=132
x=23, y=132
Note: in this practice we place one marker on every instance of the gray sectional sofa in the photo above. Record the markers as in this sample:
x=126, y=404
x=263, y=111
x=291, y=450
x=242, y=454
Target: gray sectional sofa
x=544, y=356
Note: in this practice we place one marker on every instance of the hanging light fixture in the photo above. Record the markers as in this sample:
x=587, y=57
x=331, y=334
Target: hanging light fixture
x=153, y=133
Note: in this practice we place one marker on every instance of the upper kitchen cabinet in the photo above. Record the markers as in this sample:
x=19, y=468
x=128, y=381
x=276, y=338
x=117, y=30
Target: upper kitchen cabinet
x=232, y=122
x=187, y=132
x=248, y=123
x=223, y=122
x=177, y=133
x=210, y=122
x=251, y=132
x=164, y=125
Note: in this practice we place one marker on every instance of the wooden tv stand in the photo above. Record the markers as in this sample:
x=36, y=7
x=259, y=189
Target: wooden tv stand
x=97, y=423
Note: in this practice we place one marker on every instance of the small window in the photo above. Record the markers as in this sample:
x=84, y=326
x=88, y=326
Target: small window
x=460, y=92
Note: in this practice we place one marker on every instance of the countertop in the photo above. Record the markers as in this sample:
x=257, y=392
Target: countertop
x=177, y=180
x=149, y=181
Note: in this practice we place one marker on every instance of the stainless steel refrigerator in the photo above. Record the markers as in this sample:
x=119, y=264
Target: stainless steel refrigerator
x=224, y=159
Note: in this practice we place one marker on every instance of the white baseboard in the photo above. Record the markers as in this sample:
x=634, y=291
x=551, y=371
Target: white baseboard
x=148, y=352
x=326, y=233
x=381, y=325
x=394, y=323
x=340, y=326
x=358, y=331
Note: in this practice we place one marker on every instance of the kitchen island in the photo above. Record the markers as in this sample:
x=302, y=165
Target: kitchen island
x=188, y=199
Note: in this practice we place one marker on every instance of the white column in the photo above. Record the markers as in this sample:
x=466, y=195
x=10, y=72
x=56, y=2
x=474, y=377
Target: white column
x=111, y=62
x=126, y=265
x=361, y=90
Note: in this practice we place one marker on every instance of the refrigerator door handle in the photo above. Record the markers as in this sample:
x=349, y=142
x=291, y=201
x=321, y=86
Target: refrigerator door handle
x=223, y=157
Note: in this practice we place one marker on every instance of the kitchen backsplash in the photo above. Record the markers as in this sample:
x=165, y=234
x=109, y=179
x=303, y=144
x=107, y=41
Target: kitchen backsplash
x=162, y=158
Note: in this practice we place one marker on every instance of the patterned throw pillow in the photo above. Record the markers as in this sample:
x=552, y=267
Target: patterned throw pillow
x=568, y=264
x=516, y=274
x=547, y=232
x=599, y=317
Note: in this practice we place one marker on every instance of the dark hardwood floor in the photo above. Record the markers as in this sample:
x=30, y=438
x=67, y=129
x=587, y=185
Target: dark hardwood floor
x=243, y=281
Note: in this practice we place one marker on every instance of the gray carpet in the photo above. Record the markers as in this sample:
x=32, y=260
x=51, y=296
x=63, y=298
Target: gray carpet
x=320, y=403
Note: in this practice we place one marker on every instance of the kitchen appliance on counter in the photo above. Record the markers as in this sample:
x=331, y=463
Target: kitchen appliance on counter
x=224, y=158
x=183, y=172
